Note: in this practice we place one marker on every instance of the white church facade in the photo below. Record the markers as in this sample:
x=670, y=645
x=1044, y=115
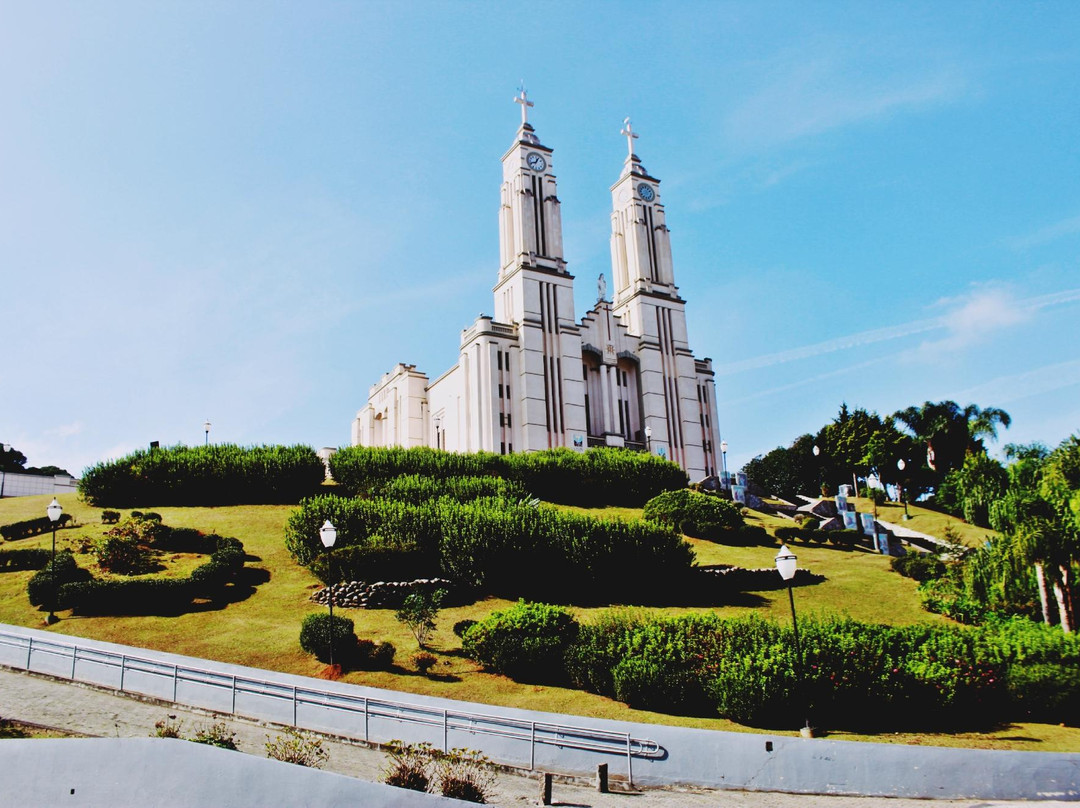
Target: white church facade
x=532, y=376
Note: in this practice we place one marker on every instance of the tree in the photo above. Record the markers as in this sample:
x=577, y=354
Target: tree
x=419, y=611
x=949, y=432
x=787, y=472
x=11, y=459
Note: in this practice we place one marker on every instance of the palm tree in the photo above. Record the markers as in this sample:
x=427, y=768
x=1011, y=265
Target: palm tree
x=950, y=432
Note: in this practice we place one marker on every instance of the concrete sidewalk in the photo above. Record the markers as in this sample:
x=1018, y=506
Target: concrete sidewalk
x=88, y=711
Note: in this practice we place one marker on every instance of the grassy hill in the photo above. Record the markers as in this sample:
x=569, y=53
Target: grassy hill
x=262, y=629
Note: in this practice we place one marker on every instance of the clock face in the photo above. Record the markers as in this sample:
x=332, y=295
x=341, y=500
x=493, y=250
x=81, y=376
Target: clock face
x=646, y=192
x=536, y=162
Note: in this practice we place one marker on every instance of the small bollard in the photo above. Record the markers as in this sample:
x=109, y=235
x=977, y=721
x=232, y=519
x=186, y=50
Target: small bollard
x=601, y=778
x=545, y=788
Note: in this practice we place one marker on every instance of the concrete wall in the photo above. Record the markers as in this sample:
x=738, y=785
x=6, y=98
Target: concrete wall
x=28, y=485
x=107, y=772
x=660, y=755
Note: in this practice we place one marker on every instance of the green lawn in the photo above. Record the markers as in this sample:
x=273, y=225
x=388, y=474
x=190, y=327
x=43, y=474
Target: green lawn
x=262, y=630
x=925, y=520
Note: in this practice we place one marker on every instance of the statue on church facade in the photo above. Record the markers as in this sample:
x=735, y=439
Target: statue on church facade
x=601, y=288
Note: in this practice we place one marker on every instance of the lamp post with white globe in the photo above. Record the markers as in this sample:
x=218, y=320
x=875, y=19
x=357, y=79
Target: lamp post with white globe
x=54, y=510
x=787, y=565
x=328, y=535
x=900, y=464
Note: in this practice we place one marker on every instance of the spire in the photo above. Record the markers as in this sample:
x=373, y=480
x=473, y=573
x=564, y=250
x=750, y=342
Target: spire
x=633, y=164
x=525, y=132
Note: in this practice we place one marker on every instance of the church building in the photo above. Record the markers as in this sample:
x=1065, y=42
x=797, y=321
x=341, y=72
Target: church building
x=532, y=376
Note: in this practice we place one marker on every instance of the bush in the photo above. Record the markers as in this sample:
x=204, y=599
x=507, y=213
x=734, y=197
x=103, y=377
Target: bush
x=167, y=727
x=600, y=475
x=33, y=527
x=417, y=489
x=28, y=559
x=424, y=662
x=461, y=626
x=216, y=735
x=40, y=587
x=297, y=747
x=315, y=637
x=464, y=774
x=120, y=555
x=132, y=596
x=699, y=515
x=372, y=656
x=418, y=613
x=526, y=642
x=488, y=544
x=410, y=765
x=110, y=517
x=222, y=474
x=920, y=566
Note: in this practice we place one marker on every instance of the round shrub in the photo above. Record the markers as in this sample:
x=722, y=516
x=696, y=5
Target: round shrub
x=526, y=642
x=315, y=633
x=40, y=587
x=699, y=515
x=920, y=566
x=461, y=626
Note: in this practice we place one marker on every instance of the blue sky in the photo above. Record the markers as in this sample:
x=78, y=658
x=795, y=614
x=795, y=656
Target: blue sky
x=248, y=212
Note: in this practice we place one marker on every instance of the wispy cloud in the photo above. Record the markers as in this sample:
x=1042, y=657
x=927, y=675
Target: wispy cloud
x=1029, y=383
x=809, y=97
x=967, y=320
x=1044, y=235
x=784, y=388
x=65, y=430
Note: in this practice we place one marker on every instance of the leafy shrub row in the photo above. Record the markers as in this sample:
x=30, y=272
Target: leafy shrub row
x=920, y=566
x=32, y=527
x=841, y=538
x=596, y=476
x=29, y=559
x=222, y=474
x=699, y=515
x=496, y=545
x=80, y=591
x=854, y=674
x=416, y=488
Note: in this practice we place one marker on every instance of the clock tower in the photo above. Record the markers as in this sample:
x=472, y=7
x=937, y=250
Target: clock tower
x=678, y=397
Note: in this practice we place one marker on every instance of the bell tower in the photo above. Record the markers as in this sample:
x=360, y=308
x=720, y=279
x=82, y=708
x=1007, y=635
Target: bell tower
x=648, y=304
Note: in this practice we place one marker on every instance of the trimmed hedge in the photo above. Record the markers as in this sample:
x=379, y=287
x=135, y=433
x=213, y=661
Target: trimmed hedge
x=699, y=515
x=29, y=559
x=222, y=474
x=40, y=587
x=596, y=476
x=498, y=546
x=315, y=634
x=526, y=642
x=854, y=675
x=84, y=594
x=416, y=489
x=32, y=527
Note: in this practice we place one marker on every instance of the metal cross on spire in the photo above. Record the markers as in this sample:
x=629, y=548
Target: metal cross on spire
x=631, y=136
x=523, y=98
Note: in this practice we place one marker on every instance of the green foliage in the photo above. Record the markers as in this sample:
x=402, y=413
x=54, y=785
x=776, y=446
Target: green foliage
x=297, y=747
x=12, y=460
x=372, y=656
x=875, y=495
x=461, y=626
x=110, y=517
x=418, y=613
x=920, y=566
x=41, y=586
x=699, y=515
x=596, y=476
x=124, y=548
x=222, y=474
x=787, y=472
x=525, y=642
x=167, y=727
x=490, y=544
x=416, y=489
x=216, y=735
x=28, y=559
x=33, y=527
x=315, y=637
x=424, y=661
x=410, y=765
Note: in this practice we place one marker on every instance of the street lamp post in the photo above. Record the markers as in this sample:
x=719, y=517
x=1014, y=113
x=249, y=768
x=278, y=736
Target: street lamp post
x=206, y=429
x=648, y=438
x=786, y=565
x=328, y=535
x=900, y=464
x=54, y=510
x=723, y=460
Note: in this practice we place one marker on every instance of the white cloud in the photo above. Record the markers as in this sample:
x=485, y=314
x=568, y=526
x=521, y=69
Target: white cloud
x=810, y=96
x=65, y=430
x=1044, y=235
x=1029, y=383
x=969, y=320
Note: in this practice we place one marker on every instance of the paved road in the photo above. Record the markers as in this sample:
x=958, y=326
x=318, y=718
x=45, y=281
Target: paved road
x=89, y=711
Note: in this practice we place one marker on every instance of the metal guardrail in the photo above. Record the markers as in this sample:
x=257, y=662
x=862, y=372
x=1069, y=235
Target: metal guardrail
x=536, y=733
